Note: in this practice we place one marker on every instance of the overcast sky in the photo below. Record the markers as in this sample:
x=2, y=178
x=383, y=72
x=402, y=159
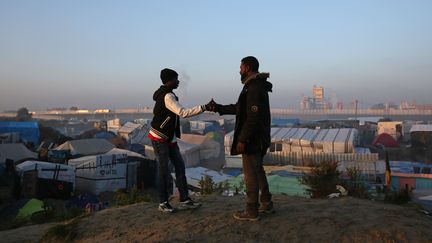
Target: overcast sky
x=108, y=54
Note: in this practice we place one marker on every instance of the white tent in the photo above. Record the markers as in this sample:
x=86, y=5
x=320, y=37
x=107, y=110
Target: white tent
x=96, y=174
x=86, y=146
x=45, y=180
x=339, y=140
x=93, y=176
x=47, y=170
x=15, y=152
x=421, y=128
x=92, y=158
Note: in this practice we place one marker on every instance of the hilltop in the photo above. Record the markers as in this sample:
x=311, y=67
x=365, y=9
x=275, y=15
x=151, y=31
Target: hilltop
x=297, y=219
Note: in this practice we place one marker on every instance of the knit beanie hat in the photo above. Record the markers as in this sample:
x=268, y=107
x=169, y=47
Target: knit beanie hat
x=167, y=75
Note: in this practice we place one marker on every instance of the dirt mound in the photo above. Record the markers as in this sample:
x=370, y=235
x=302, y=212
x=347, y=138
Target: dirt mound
x=296, y=220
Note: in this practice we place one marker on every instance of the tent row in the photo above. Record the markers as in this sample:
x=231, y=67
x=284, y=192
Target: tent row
x=289, y=139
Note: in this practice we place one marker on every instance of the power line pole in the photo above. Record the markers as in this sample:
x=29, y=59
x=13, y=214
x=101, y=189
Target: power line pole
x=356, y=103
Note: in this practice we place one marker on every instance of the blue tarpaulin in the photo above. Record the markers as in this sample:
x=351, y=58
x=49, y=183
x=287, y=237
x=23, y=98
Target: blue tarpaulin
x=280, y=122
x=28, y=131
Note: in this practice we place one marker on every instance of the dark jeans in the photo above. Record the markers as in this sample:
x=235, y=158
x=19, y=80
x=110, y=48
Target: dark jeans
x=164, y=153
x=255, y=181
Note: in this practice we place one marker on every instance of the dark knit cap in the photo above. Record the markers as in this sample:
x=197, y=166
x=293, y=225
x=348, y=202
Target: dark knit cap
x=167, y=75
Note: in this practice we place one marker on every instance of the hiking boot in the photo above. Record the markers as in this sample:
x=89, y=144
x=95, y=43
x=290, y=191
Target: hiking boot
x=189, y=204
x=266, y=208
x=165, y=207
x=245, y=216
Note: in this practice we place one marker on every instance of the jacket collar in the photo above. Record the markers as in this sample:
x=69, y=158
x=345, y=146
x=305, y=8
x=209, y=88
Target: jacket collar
x=255, y=76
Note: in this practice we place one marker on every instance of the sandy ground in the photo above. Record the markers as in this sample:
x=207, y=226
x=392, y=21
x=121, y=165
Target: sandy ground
x=296, y=220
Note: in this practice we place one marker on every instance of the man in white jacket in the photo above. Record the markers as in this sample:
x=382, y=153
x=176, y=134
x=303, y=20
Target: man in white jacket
x=164, y=131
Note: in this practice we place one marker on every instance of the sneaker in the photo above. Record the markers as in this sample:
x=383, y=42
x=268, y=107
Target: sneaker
x=245, y=216
x=266, y=209
x=189, y=204
x=165, y=207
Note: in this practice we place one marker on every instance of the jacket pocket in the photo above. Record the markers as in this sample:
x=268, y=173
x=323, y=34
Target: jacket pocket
x=165, y=122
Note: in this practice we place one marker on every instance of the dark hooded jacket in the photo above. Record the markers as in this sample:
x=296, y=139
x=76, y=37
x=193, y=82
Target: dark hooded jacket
x=165, y=123
x=253, y=119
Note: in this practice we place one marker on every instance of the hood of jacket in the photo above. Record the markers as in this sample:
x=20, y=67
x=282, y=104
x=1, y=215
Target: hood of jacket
x=161, y=91
x=260, y=77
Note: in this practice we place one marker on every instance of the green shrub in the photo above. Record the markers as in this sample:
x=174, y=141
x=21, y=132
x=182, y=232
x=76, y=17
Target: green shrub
x=207, y=186
x=322, y=180
x=354, y=185
x=123, y=197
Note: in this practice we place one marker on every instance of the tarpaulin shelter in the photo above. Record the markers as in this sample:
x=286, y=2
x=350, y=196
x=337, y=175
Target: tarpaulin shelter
x=82, y=147
x=290, y=139
x=28, y=131
x=46, y=180
x=15, y=152
x=385, y=140
x=211, y=153
x=116, y=169
x=32, y=206
x=421, y=135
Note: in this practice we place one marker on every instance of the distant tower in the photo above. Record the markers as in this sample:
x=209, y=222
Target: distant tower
x=318, y=95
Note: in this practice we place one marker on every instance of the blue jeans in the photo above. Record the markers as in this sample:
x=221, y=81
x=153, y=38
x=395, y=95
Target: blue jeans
x=164, y=153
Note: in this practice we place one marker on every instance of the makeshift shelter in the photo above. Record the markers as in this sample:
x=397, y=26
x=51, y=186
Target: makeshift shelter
x=116, y=169
x=28, y=131
x=190, y=153
x=31, y=207
x=421, y=135
x=127, y=130
x=211, y=153
x=46, y=180
x=202, y=127
x=290, y=139
x=10, y=137
x=393, y=128
x=84, y=147
x=105, y=135
x=14, y=152
x=284, y=122
x=385, y=140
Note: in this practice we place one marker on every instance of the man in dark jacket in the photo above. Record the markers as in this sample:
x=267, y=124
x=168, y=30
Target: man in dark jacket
x=252, y=136
x=164, y=131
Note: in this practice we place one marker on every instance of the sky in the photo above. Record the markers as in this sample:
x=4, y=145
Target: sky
x=108, y=54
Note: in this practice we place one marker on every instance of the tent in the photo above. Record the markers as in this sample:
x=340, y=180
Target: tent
x=421, y=135
x=384, y=139
x=127, y=130
x=202, y=127
x=31, y=207
x=86, y=146
x=116, y=169
x=283, y=122
x=211, y=152
x=28, y=131
x=291, y=139
x=15, y=152
x=43, y=179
